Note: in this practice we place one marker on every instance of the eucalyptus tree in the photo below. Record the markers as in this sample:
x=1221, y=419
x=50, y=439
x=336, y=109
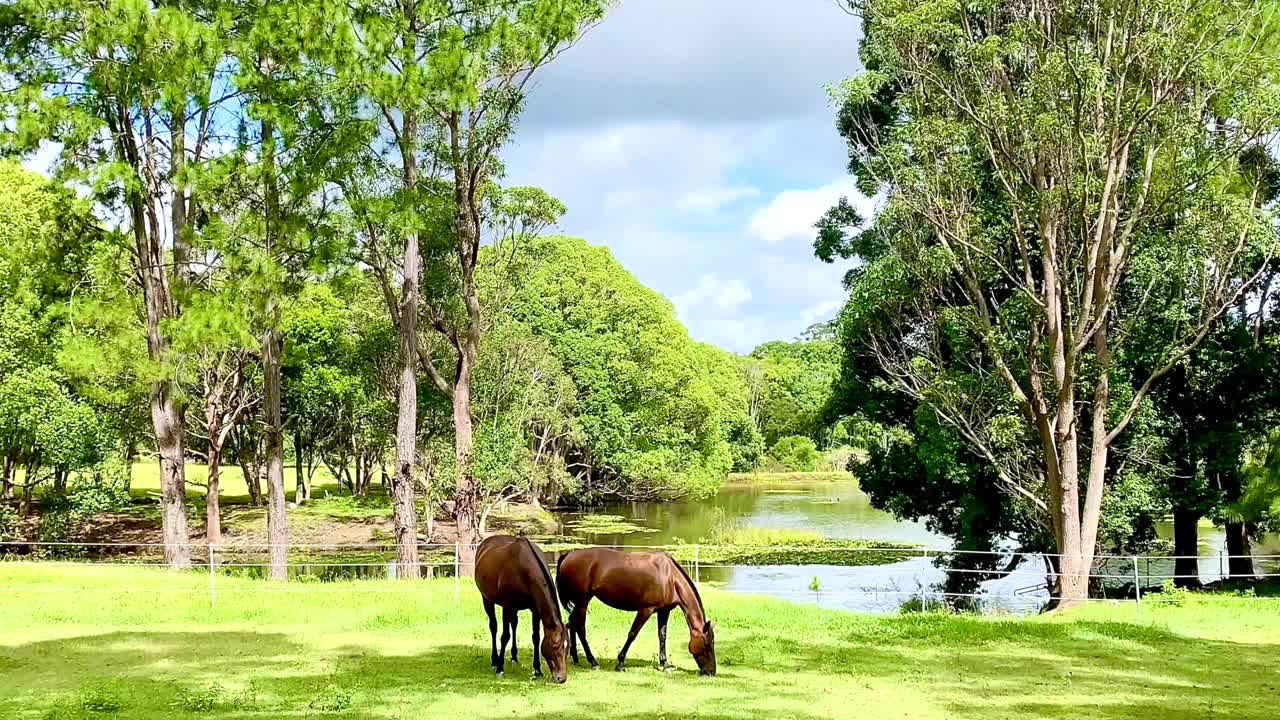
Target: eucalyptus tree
x=1052, y=172
x=445, y=82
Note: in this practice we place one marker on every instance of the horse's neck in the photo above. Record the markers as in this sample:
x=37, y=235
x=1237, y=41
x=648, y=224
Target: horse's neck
x=544, y=599
x=687, y=599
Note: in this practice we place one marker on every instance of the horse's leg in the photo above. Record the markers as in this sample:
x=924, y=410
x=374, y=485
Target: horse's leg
x=642, y=617
x=573, y=636
x=579, y=620
x=506, y=635
x=515, y=621
x=493, y=635
x=663, y=616
x=537, y=644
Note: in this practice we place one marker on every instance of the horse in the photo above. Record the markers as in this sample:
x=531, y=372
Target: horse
x=510, y=573
x=647, y=583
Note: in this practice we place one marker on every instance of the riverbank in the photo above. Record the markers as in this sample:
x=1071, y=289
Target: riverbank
x=81, y=643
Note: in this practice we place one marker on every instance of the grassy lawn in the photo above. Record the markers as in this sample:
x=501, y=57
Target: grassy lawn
x=385, y=650
x=146, y=480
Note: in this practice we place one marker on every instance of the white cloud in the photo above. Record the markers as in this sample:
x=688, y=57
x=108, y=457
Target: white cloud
x=711, y=199
x=725, y=295
x=791, y=214
x=819, y=312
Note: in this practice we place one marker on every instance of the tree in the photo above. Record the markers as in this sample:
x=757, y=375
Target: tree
x=797, y=380
x=129, y=90
x=650, y=410
x=214, y=337
x=1051, y=174
x=795, y=453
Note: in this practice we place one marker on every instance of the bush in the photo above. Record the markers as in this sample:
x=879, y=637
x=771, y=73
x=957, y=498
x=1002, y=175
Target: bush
x=795, y=453
x=100, y=490
x=9, y=521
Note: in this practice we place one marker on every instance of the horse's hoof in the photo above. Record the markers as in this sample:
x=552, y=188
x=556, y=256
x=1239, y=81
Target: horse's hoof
x=596, y=668
x=501, y=675
x=668, y=669
x=537, y=675
x=619, y=669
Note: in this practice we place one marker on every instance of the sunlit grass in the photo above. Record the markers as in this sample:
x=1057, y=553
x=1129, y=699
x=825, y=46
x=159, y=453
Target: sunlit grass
x=767, y=478
x=138, y=643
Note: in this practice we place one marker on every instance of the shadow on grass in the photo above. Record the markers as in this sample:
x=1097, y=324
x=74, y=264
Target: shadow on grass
x=910, y=666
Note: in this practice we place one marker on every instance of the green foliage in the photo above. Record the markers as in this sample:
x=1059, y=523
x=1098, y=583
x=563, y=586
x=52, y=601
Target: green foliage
x=654, y=408
x=795, y=453
x=993, y=280
x=797, y=378
x=9, y=523
x=332, y=700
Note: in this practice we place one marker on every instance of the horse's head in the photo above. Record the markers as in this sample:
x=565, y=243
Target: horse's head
x=702, y=645
x=555, y=650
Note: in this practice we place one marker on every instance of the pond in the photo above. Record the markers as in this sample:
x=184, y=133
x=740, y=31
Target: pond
x=834, y=509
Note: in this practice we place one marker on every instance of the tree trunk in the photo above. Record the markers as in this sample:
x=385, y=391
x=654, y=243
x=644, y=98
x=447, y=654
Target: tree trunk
x=402, y=489
x=28, y=486
x=1186, y=547
x=301, y=487
x=277, y=519
x=252, y=480
x=466, y=499
x=166, y=416
x=299, y=462
x=212, y=515
x=6, y=484
x=402, y=494
x=1239, y=562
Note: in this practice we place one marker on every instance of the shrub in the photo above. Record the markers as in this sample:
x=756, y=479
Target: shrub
x=9, y=521
x=200, y=700
x=335, y=700
x=796, y=453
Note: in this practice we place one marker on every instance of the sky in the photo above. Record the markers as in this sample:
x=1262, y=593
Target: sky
x=696, y=140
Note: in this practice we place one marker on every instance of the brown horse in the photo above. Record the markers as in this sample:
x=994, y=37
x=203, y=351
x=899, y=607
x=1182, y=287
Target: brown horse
x=510, y=573
x=643, y=582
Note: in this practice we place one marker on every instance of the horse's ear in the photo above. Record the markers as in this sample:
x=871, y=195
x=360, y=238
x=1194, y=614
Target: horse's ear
x=707, y=627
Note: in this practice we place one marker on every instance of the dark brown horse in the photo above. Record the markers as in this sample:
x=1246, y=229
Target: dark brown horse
x=647, y=583
x=510, y=573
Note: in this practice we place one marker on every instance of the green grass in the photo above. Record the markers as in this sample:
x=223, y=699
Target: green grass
x=146, y=644
x=769, y=478
x=232, y=487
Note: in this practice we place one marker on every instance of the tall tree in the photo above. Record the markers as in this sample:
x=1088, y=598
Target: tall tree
x=129, y=90
x=446, y=81
x=1052, y=172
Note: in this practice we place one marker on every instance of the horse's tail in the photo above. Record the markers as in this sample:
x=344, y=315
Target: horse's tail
x=560, y=587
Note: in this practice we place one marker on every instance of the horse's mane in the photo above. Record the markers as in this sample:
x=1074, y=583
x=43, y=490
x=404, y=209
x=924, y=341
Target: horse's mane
x=546, y=575
x=692, y=584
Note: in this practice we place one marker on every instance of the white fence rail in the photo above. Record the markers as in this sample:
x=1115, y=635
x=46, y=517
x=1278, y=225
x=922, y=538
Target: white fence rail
x=898, y=576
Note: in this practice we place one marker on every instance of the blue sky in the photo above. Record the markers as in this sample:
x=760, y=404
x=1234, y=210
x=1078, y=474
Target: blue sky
x=696, y=140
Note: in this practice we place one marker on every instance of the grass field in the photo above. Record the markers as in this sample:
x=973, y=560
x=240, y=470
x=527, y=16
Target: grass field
x=387, y=650
x=146, y=480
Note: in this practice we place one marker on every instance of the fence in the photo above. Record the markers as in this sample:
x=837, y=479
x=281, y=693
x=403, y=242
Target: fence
x=876, y=579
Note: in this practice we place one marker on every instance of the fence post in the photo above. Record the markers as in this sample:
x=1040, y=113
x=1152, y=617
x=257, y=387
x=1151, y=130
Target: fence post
x=923, y=603
x=213, y=582
x=1137, y=588
x=457, y=570
x=1222, y=568
x=696, y=572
